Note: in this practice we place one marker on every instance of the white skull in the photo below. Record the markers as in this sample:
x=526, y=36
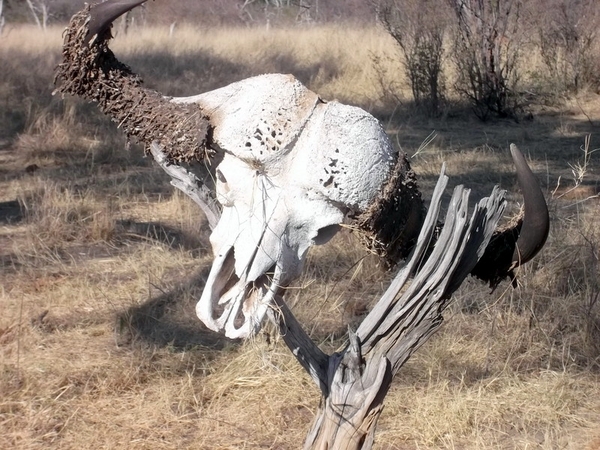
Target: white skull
x=293, y=168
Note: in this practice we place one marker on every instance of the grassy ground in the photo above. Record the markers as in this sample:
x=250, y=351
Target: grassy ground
x=101, y=263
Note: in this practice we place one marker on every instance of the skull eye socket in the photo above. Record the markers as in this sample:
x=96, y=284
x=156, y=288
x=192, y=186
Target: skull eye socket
x=325, y=234
x=222, y=181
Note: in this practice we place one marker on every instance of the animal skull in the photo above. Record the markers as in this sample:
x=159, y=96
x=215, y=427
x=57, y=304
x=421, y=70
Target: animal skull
x=293, y=168
x=289, y=169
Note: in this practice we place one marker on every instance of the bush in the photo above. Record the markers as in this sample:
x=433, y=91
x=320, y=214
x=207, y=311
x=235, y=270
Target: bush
x=419, y=30
x=486, y=53
x=568, y=40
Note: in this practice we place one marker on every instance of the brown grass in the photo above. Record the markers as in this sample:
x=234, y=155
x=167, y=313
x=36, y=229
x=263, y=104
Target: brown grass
x=101, y=262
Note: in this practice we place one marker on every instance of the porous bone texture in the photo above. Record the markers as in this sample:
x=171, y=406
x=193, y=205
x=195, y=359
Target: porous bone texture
x=294, y=167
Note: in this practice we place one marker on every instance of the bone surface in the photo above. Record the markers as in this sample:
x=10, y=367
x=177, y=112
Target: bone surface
x=293, y=168
x=288, y=169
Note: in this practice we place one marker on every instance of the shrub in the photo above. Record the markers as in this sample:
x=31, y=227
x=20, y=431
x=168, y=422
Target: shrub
x=419, y=30
x=568, y=38
x=486, y=54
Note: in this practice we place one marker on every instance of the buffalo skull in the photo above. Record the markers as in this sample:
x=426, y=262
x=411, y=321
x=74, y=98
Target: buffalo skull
x=293, y=168
x=289, y=168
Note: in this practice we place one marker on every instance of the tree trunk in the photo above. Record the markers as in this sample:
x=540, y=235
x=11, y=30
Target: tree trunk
x=354, y=383
x=34, y=14
x=45, y=14
x=347, y=417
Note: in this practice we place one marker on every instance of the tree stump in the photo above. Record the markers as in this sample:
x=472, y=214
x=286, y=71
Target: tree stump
x=355, y=381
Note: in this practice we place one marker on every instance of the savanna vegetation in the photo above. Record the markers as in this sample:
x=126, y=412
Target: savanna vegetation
x=101, y=261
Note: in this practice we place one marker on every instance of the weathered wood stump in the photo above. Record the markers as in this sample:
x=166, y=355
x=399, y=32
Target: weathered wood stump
x=354, y=382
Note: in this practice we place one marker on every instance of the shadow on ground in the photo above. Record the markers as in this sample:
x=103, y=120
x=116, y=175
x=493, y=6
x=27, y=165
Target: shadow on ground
x=10, y=212
x=553, y=140
x=169, y=319
x=170, y=236
x=196, y=72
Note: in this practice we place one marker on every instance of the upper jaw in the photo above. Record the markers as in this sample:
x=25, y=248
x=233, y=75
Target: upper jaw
x=234, y=304
x=253, y=264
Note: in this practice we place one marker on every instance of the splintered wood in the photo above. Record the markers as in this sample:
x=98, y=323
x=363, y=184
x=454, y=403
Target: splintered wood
x=354, y=382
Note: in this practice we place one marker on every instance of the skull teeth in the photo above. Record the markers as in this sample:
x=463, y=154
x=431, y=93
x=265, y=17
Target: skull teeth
x=232, y=304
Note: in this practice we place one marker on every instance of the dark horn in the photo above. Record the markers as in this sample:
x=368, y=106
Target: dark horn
x=94, y=73
x=536, y=221
x=513, y=246
x=102, y=15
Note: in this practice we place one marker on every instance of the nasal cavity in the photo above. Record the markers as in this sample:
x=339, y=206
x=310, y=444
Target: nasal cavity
x=325, y=234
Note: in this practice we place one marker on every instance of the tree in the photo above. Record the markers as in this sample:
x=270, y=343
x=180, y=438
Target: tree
x=419, y=29
x=39, y=11
x=1, y=15
x=568, y=38
x=486, y=52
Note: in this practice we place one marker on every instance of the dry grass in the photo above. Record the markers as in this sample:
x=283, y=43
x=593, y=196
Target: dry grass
x=101, y=263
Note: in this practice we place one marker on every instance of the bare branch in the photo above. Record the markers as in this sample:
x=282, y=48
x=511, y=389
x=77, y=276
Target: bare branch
x=189, y=184
x=314, y=361
x=34, y=14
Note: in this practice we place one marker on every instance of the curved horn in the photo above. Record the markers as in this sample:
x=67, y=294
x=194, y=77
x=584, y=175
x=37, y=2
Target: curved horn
x=511, y=247
x=94, y=73
x=102, y=15
x=536, y=221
